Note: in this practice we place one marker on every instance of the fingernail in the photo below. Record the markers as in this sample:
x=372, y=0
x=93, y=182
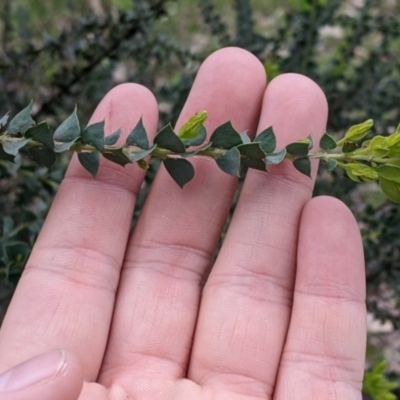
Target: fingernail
x=33, y=371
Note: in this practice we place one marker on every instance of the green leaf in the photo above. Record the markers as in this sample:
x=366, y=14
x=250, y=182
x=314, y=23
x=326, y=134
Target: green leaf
x=357, y=132
x=303, y=165
x=299, y=149
x=389, y=172
x=138, y=137
x=61, y=147
x=4, y=120
x=357, y=171
x=193, y=133
x=267, y=139
x=390, y=189
x=230, y=162
x=276, y=158
x=332, y=164
x=167, y=139
x=41, y=133
x=327, y=142
x=22, y=121
x=349, y=147
x=5, y=156
x=378, y=146
x=113, y=138
x=252, y=150
x=90, y=161
x=8, y=225
x=117, y=156
x=192, y=153
x=225, y=137
x=310, y=142
x=254, y=164
x=43, y=156
x=12, y=148
x=17, y=252
x=93, y=135
x=139, y=156
x=377, y=385
x=181, y=170
x=69, y=130
x=245, y=138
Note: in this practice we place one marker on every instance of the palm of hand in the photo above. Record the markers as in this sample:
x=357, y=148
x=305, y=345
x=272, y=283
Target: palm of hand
x=281, y=315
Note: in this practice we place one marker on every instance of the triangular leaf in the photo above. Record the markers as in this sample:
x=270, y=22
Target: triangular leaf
x=69, y=130
x=230, y=162
x=267, y=139
x=12, y=148
x=93, y=135
x=90, y=161
x=22, y=121
x=117, y=156
x=135, y=157
x=167, y=139
x=254, y=164
x=4, y=120
x=43, y=156
x=41, y=133
x=113, y=138
x=138, y=136
x=276, y=158
x=303, y=165
x=327, y=142
x=252, y=150
x=298, y=149
x=181, y=170
x=332, y=164
x=226, y=137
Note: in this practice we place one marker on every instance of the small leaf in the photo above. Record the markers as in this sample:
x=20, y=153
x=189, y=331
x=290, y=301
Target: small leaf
x=299, y=149
x=8, y=225
x=245, y=138
x=43, y=156
x=138, y=137
x=331, y=165
x=17, y=252
x=390, y=189
x=310, y=142
x=90, y=161
x=327, y=142
x=117, y=156
x=230, y=162
x=61, y=147
x=349, y=147
x=135, y=157
x=167, y=139
x=357, y=132
x=5, y=156
x=113, y=138
x=252, y=150
x=22, y=121
x=93, y=135
x=276, y=158
x=4, y=120
x=303, y=165
x=357, y=171
x=12, y=148
x=254, y=164
x=181, y=170
x=143, y=165
x=193, y=133
x=267, y=139
x=378, y=146
x=225, y=137
x=41, y=133
x=69, y=130
x=389, y=172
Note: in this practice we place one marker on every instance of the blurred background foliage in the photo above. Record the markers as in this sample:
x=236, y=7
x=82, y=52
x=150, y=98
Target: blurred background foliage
x=63, y=52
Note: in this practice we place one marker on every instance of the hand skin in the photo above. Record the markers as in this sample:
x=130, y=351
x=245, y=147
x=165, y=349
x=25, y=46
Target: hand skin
x=280, y=316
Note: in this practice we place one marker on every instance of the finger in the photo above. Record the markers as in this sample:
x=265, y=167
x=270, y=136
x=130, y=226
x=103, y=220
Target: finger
x=324, y=353
x=247, y=300
x=177, y=232
x=65, y=297
x=56, y=374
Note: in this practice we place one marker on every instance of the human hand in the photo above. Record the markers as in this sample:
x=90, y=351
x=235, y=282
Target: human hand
x=280, y=316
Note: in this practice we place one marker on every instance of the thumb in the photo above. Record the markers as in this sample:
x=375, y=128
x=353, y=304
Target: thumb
x=56, y=374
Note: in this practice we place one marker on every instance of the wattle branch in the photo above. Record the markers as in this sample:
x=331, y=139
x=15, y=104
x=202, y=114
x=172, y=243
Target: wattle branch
x=377, y=159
